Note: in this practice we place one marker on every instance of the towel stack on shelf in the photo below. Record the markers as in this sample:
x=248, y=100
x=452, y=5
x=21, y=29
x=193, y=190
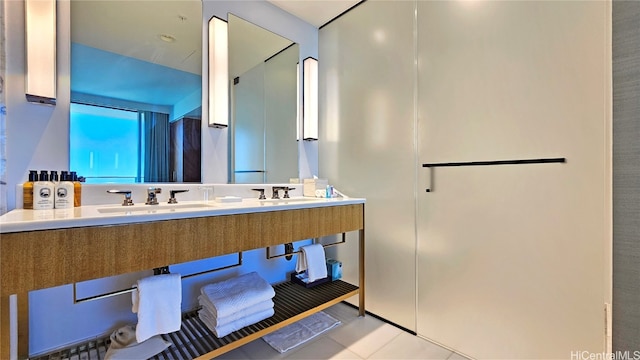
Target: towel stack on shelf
x=232, y=304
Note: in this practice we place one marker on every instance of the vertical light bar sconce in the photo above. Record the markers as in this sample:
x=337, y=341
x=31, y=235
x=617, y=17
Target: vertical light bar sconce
x=40, y=45
x=310, y=99
x=298, y=105
x=218, y=74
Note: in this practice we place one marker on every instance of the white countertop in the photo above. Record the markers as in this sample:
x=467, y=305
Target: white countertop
x=97, y=215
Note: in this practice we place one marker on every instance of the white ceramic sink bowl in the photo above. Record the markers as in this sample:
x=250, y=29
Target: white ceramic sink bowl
x=152, y=208
x=289, y=200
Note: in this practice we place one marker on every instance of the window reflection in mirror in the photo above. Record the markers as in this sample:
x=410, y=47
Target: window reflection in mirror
x=263, y=96
x=142, y=58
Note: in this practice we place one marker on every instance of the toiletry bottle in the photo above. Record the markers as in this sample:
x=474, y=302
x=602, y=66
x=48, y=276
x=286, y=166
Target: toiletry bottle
x=64, y=192
x=43, y=192
x=77, y=190
x=27, y=190
x=53, y=177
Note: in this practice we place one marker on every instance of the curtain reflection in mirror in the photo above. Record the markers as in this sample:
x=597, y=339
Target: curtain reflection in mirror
x=156, y=146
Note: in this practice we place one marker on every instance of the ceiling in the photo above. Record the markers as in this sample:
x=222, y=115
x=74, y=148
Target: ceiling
x=127, y=29
x=315, y=12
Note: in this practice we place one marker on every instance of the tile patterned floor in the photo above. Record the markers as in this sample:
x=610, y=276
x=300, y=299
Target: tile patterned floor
x=356, y=338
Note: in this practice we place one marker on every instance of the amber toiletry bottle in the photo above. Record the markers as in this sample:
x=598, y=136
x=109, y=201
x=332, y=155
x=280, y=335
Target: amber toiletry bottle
x=27, y=190
x=77, y=190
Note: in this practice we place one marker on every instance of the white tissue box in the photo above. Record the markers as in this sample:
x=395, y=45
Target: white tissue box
x=311, y=185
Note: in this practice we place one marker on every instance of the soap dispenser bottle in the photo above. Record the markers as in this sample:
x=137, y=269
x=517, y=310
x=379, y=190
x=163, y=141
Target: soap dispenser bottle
x=43, y=192
x=64, y=191
x=27, y=190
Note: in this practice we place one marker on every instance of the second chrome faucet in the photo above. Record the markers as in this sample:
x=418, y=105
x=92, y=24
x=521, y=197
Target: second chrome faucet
x=152, y=199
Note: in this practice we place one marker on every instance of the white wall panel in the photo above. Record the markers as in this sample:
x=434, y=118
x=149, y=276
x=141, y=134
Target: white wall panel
x=366, y=145
x=512, y=259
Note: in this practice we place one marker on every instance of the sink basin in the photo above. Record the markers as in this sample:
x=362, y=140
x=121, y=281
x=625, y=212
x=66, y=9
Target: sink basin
x=290, y=200
x=152, y=208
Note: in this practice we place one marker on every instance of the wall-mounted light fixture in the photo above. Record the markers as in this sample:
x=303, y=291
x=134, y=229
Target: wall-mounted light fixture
x=218, y=74
x=310, y=99
x=40, y=45
x=298, y=105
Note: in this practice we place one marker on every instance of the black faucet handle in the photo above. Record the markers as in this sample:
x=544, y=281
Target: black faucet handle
x=261, y=197
x=172, y=195
x=286, y=191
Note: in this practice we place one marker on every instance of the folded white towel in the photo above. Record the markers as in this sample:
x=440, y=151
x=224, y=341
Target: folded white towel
x=217, y=321
x=313, y=260
x=224, y=330
x=157, y=301
x=232, y=295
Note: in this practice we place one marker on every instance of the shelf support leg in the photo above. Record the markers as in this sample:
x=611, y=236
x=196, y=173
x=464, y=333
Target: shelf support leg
x=22, y=311
x=5, y=326
x=361, y=309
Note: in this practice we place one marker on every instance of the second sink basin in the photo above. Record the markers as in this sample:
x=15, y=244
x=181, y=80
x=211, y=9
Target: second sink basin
x=138, y=208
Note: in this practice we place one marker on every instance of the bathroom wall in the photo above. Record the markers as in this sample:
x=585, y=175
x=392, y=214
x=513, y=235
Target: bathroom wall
x=504, y=262
x=626, y=175
x=38, y=139
x=3, y=120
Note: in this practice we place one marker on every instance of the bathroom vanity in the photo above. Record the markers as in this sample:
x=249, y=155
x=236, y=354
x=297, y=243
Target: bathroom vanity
x=40, y=250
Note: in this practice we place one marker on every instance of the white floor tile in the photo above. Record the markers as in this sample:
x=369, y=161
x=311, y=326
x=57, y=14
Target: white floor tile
x=260, y=350
x=323, y=348
x=364, y=336
x=236, y=354
x=407, y=346
x=456, y=356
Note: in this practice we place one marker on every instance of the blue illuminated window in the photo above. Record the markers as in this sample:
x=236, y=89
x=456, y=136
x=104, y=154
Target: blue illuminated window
x=105, y=144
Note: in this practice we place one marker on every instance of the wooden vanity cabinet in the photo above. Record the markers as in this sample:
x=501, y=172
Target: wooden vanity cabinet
x=34, y=260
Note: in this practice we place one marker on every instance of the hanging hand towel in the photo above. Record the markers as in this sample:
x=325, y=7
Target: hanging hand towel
x=312, y=259
x=232, y=295
x=157, y=301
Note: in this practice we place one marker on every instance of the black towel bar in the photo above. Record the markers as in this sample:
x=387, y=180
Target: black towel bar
x=493, y=162
x=497, y=162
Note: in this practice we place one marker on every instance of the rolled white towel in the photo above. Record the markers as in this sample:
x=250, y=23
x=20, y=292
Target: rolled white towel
x=232, y=295
x=224, y=330
x=125, y=347
x=218, y=321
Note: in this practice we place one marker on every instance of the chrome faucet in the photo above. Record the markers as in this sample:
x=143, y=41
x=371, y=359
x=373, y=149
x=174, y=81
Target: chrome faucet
x=152, y=199
x=276, y=194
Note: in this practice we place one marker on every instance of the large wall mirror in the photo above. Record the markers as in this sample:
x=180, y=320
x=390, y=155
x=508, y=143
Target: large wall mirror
x=136, y=90
x=263, y=73
x=136, y=95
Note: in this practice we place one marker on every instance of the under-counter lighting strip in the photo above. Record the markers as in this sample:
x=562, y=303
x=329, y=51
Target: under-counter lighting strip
x=218, y=73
